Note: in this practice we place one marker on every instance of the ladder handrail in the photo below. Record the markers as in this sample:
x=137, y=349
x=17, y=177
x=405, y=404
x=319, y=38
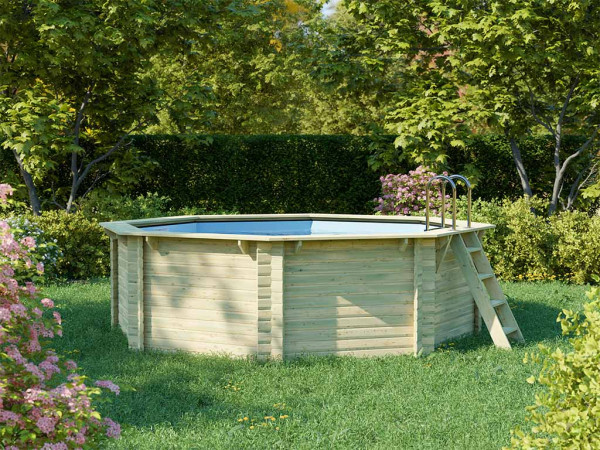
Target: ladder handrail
x=469, y=190
x=443, y=189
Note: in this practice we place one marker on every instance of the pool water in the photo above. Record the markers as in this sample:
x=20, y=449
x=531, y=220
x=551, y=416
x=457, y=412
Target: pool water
x=290, y=227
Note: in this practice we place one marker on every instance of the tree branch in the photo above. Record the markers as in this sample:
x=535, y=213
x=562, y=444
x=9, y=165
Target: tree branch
x=581, y=149
x=546, y=125
x=114, y=148
x=563, y=111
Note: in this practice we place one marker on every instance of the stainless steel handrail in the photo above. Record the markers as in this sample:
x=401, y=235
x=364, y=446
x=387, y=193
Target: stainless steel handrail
x=443, y=208
x=469, y=190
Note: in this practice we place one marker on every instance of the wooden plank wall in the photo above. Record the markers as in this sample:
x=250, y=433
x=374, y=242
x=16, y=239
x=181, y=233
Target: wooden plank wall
x=269, y=259
x=122, y=284
x=455, y=304
x=201, y=296
x=348, y=297
x=424, y=304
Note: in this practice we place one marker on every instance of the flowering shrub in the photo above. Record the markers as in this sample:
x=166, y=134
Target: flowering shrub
x=404, y=194
x=45, y=250
x=44, y=403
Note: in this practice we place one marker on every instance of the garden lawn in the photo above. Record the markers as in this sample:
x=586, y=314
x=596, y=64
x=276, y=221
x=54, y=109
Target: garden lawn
x=466, y=395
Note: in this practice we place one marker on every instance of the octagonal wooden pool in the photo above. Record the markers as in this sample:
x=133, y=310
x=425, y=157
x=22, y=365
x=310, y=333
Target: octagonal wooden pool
x=292, y=284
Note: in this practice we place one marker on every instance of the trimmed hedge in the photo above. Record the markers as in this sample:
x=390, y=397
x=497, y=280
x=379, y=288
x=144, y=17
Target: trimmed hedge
x=309, y=173
x=262, y=174
x=328, y=174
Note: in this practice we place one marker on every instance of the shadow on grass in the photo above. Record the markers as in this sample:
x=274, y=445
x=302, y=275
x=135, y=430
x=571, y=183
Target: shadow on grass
x=536, y=320
x=168, y=388
x=157, y=387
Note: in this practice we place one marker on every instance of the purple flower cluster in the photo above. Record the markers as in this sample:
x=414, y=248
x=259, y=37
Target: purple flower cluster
x=36, y=410
x=405, y=194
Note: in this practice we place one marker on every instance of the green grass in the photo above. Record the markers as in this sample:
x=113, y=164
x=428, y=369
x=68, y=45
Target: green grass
x=464, y=396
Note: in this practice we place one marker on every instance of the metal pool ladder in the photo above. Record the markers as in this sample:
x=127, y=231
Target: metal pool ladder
x=447, y=179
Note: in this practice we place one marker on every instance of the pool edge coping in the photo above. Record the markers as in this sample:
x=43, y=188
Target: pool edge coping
x=131, y=227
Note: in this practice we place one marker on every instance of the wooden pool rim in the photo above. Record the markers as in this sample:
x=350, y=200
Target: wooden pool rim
x=284, y=296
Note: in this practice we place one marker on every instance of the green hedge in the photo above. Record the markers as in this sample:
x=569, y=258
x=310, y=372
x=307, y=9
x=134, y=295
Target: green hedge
x=329, y=174
x=304, y=173
x=262, y=174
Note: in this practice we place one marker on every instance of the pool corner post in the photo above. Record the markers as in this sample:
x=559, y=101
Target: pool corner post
x=269, y=262
x=114, y=280
x=424, y=296
x=135, y=292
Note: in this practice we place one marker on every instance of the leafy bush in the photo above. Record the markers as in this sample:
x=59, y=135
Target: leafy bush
x=525, y=246
x=46, y=249
x=84, y=245
x=105, y=208
x=567, y=413
x=405, y=194
x=576, y=251
x=44, y=403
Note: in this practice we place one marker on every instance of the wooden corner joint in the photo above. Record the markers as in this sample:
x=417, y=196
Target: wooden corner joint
x=152, y=242
x=244, y=246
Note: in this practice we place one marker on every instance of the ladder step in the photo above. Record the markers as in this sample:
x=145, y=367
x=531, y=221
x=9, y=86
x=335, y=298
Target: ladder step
x=496, y=303
x=484, y=276
x=474, y=249
x=509, y=330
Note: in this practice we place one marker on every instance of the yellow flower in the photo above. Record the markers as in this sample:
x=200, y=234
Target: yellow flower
x=245, y=418
x=285, y=416
x=277, y=428
x=252, y=427
x=240, y=420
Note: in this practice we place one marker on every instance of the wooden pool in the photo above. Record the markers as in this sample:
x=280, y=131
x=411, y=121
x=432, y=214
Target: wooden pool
x=292, y=284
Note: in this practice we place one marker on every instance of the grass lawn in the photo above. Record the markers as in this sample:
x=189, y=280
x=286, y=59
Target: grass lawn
x=467, y=395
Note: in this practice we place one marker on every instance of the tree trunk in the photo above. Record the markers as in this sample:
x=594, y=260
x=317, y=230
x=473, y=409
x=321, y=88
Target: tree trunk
x=516, y=152
x=34, y=200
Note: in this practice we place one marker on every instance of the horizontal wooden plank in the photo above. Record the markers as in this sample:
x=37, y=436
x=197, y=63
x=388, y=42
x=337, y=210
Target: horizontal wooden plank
x=200, y=303
x=204, y=259
x=168, y=334
x=151, y=290
x=348, y=333
x=155, y=268
x=206, y=282
x=348, y=322
x=199, y=314
x=362, y=300
x=343, y=290
x=306, y=256
x=453, y=333
x=444, y=294
x=346, y=311
x=324, y=267
x=249, y=328
x=347, y=344
x=200, y=347
x=197, y=245
x=311, y=279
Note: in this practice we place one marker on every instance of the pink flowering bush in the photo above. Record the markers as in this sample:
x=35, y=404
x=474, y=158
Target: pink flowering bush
x=44, y=403
x=404, y=194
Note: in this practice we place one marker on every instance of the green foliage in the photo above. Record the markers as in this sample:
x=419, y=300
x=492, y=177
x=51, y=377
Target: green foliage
x=46, y=249
x=566, y=414
x=467, y=396
x=262, y=174
x=526, y=246
x=82, y=241
x=517, y=68
x=77, y=72
x=106, y=208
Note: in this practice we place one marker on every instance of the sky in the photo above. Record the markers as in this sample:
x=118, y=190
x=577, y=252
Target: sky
x=330, y=7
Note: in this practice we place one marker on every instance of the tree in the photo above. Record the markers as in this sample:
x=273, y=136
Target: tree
x=253, y=75
x=516, y=67
x=74, y=81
